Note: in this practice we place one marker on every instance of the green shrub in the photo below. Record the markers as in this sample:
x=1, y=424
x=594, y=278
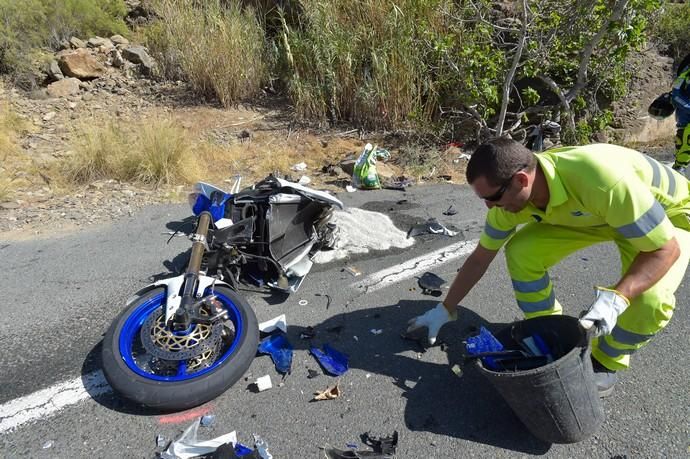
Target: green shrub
x=220, y=50
x=384, y=64
x=673, y=28
x=29, y=24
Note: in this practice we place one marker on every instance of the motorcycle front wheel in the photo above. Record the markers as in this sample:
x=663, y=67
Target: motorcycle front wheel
x=146, y=362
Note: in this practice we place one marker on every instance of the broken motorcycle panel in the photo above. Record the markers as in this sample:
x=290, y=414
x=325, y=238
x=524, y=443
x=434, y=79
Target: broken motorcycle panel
x=184, y=340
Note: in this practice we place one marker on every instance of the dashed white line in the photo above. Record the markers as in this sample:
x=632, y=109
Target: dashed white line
x=48, y=401
x=395, y=274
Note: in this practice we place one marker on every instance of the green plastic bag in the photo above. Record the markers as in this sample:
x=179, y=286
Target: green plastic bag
x=365, y=176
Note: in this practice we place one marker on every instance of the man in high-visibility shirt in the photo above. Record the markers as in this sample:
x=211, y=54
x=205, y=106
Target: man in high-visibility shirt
x=567, y=199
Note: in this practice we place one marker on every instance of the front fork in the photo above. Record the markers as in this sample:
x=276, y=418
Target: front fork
x=188, y=311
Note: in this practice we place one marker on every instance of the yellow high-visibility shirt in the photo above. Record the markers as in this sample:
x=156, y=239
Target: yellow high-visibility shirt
x=603, y=185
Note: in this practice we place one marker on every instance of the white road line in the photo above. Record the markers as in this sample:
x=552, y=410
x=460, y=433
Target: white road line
x=47, y=402
x=390, y=276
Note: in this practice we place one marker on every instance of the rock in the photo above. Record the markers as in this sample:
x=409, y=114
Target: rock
x=116, y=59
x=601, y=137
x=119, y=40
x=138, y=55
x=77, y=43
x=49, y=116
x=63, y=88
x=54, y=72
x=81, y=64
x=385, y=170
x=87, y=97
x=39, y=94
x=9, y=205
x=348, y=166
x=97, y=42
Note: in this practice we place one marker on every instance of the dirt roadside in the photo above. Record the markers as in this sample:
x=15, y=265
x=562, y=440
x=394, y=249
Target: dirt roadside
x=264, y=135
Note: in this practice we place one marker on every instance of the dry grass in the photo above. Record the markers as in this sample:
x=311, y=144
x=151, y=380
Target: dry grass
x=367, y=61
x=164, y=155
x=99, y=152
x=267, y=153
x=219, y=47
x=14, y=165
x=157, y=153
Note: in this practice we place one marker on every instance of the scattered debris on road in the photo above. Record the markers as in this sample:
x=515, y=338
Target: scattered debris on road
x=280, y=350
x=277, y=323
x=383, y=448
x=263, y=383
x=352, y=270
x=431, y=226
x=431, y=284
x=332, y=361
x=332, y=392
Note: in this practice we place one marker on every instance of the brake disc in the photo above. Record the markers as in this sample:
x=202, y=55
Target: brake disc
x=201, y=341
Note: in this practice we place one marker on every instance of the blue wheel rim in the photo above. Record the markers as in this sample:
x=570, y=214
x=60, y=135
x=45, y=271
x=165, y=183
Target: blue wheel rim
x=132, y=326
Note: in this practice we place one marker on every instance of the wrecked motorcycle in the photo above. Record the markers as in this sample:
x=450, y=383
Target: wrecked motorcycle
x=184, y=340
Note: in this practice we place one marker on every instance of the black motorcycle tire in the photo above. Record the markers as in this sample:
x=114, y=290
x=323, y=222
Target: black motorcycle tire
x=179, y=395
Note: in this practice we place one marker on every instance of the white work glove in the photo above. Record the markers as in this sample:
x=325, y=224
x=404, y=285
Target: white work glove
x=604, y=311
x=433, y=320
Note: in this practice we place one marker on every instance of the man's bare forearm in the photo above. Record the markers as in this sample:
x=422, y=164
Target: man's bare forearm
x=469, y=274
x=647, y=269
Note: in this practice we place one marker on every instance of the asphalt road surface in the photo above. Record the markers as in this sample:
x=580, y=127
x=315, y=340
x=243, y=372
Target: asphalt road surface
x=60, y=294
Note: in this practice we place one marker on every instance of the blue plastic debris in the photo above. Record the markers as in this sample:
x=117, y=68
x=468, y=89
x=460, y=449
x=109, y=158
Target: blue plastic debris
x=280, y=350
x=241, y=450
x=484, y=342
x=543, y=347
x=207, y=420
x=332, y=361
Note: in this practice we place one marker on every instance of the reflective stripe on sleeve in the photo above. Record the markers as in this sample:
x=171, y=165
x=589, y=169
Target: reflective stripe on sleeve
x=531, y=286
x=496, y=233
x=656, y=177
x=671, y=181
x=646, y=223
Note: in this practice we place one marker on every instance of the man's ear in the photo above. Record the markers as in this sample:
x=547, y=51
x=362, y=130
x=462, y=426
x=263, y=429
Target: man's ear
x=522, y=178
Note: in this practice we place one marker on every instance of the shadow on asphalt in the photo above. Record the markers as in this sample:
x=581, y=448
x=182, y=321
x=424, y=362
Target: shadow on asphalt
x=438, y=401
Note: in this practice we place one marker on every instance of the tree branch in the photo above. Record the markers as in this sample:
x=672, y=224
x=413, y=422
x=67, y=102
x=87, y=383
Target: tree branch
x=508, y=82
x=616, y=14
x=563, y=98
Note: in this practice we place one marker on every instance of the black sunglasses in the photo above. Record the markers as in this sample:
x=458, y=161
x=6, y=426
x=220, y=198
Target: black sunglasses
x=501, y=191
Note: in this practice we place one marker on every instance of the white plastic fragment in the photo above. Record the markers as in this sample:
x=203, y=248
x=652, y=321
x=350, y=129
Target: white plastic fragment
x=376, y=331
x=262, y=447
x=279, y=323
x=188, y=446
x=304, y=180
x=299, y=167
x=263, y=383
x=350, y=188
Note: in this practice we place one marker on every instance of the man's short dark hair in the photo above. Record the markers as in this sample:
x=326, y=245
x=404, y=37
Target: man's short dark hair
x=498, y=160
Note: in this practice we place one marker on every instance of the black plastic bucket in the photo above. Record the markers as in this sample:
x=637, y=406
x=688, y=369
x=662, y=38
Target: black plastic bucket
x=557, y=402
